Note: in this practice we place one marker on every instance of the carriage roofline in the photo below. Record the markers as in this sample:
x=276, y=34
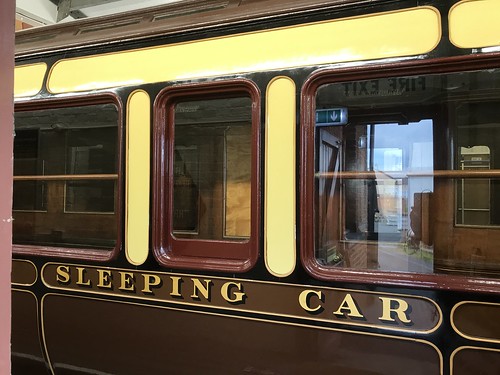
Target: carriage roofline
x=190, y=16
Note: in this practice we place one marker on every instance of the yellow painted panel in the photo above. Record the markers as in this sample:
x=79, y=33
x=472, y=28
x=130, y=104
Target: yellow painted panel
x=401, y=33
x=280, y=186
x=475, y=23
x=137, y=181
x=28, y=79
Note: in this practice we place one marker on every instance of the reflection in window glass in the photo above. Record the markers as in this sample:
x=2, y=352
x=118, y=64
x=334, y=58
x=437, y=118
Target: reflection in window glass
x=90, y=196
x=212, y=169
x=65, y=176
x=30, y=196
x=410, y=182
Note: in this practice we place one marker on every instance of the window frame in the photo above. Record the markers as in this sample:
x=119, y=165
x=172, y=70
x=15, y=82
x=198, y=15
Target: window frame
x=200, y=254
x=374, y=70
x=91, y=254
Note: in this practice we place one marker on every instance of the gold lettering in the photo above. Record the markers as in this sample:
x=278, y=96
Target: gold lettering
x=149, y=281
x=203, y=289
x=105, y=279
x=127, y=282
x=81, y=277
x=237, y=296
x=176, y=286
x=62, y=274
x=394, y=305
x=304, y=300
x=350, y=307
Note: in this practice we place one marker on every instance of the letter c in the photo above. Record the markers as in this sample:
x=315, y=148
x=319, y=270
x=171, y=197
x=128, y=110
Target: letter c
x=304, y=299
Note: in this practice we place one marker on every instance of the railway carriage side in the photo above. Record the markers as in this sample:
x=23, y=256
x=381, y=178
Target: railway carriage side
x=291, y=208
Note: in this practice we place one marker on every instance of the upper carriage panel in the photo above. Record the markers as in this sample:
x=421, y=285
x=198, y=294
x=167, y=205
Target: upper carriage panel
x=406, y=32
x=480, y=16
x=29, y=79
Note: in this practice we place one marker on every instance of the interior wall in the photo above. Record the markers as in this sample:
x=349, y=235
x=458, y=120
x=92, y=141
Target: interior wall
x=7, y=24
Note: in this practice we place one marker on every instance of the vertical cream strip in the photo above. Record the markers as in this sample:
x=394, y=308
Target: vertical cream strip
x=280, y=186
x=137, y=179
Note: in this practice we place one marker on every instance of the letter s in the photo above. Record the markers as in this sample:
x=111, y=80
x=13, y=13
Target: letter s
x=62, y=274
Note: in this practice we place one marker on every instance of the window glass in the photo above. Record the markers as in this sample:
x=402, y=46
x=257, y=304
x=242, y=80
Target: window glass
x=65, y=177
x=407, y=174
x=212, y=169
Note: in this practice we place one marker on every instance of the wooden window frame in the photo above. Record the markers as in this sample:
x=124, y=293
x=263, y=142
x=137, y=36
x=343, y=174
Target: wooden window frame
x=91, y=254
x=200, y=254
x=307, y=160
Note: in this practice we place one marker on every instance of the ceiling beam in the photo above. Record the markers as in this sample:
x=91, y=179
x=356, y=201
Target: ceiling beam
x=74, y=8
x=113, y=7
x=43, y=12
x=46, y=12
x=80, y=4
x=80, y=8
x=63, y=9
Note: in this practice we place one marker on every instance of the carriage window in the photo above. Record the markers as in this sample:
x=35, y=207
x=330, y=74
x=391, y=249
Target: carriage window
x=65, y=177
x=210, y=211
x=407, y=174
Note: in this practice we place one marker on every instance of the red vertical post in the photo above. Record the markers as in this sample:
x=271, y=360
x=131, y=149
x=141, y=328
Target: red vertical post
x=7, y=25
